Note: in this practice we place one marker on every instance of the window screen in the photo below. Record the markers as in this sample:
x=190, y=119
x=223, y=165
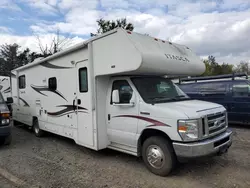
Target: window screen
x=52, y=83
x=83, y=80
x=22, y=82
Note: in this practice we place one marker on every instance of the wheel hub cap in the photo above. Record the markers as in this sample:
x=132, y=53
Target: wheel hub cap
x=155, y=156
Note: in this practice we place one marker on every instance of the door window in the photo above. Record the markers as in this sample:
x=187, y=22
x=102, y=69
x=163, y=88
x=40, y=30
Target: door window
x=213, y=87
x=83, y=80
x=241, y=89
x=125, y=91
x=22, y=82
x=190, y=88
x=52, y=83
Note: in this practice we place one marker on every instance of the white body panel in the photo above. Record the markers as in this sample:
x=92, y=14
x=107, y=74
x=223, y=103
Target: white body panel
x=54, y=109
x=88, y=116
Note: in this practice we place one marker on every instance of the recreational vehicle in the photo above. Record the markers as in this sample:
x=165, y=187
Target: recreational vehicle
x=5, y=88
x=110, y=92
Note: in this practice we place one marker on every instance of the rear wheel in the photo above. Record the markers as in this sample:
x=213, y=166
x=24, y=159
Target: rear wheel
x=158, y=155
x=38, y=132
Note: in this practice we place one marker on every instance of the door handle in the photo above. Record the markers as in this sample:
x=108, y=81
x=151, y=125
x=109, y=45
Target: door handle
x=109, y=117
x=145, y=113
x=74, y=107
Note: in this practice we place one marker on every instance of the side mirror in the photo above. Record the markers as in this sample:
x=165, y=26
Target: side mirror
x=115, y=97
x=9, y=100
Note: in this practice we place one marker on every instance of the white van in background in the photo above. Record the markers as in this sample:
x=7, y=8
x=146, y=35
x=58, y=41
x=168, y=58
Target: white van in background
x=110, y=92
x=5, y=88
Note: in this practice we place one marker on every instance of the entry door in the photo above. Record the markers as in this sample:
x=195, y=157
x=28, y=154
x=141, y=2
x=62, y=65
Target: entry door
x=122, y=121
x=83, y=104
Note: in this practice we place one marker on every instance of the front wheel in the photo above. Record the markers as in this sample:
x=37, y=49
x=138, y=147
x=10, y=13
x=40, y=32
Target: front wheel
x=7, y=140
x=158, y=155
x=38, y=132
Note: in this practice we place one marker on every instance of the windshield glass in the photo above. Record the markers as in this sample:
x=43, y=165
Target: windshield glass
x=158, y=89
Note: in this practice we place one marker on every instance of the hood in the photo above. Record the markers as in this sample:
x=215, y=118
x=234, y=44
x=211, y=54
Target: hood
x=191, y=107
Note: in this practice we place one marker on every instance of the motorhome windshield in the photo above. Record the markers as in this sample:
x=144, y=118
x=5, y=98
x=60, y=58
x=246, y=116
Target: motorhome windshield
x=158, y=90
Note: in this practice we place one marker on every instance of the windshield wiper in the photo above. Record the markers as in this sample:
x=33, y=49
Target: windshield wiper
x=176, y=98
x=157, y=99
x=182, y=97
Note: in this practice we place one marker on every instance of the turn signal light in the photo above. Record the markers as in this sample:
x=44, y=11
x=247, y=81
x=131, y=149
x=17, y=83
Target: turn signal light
x=5, y=115
x=182, y=128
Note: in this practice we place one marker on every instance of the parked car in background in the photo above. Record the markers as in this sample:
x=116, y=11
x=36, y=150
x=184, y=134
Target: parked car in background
x=232, y=91
x=5, y=120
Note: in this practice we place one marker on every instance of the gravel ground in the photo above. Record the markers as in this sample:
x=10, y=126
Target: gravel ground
x=56, y=162
x=4, y=183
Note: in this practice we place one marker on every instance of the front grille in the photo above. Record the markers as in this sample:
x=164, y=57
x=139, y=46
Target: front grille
x=214, y=124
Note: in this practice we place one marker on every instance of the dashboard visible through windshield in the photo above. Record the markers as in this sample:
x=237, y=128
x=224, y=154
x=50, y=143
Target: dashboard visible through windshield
x=158, y=90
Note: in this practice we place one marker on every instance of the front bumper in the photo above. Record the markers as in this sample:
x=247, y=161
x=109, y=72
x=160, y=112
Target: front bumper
x=217, y=144
x=5, y=131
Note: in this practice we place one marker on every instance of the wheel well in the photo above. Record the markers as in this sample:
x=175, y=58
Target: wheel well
x=34, y=119
x=149, y=133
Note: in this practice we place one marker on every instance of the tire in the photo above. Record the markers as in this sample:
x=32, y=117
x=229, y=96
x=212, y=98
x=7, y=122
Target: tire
x=166, y=156
x=38, y=132
x=7, y=140
x=16, y=123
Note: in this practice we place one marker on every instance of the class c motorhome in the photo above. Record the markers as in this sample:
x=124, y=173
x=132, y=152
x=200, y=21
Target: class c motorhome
x=110, y=92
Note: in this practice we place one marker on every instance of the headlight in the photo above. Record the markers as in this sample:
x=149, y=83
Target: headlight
x=188, y=129
x=5, y=121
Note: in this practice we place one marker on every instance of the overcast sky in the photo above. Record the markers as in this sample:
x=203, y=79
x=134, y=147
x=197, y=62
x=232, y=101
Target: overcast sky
x=220, y=27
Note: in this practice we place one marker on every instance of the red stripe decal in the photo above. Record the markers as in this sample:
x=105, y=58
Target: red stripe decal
x=153, y=121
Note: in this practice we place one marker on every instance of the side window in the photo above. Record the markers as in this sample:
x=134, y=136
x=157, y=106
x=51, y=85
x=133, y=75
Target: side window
x=83, y=80
x=190, y=88
x=52, y=83
x=213, y=87
x=125, y=91
x=22, y=82
x=241, y=89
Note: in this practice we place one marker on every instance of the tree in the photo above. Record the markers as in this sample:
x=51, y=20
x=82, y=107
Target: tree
x=9, y=53
x=26, y=56
x=213, y=68
x=11, y=57
x=243, y=67
x=57, y=43
x=108, y=25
